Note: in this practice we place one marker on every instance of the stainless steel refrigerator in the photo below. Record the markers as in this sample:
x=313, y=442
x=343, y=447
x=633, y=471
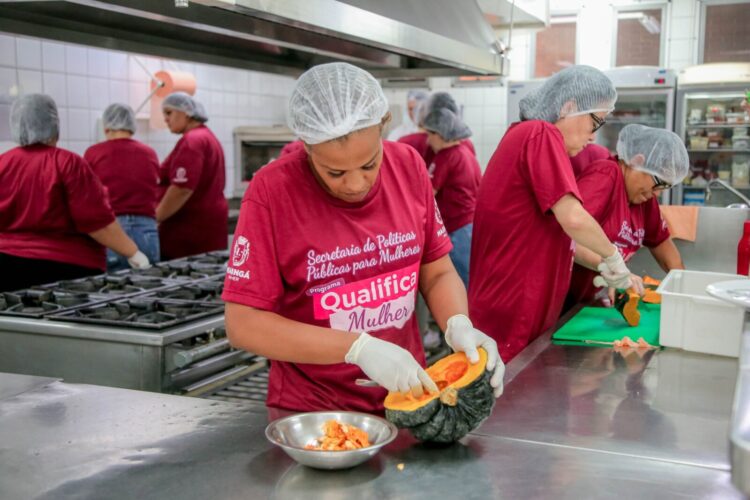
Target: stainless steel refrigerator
x=714, y=124
x=645, y=95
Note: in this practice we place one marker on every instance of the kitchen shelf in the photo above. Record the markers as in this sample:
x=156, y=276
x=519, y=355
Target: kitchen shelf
x=717, y=125
x=648, y=123
x=703, y=188
x=719, y=150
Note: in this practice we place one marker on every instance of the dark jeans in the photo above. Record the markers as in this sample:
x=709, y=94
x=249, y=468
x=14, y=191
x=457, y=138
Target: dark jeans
x=461, y=239
x=142, y=230
x=17, y=272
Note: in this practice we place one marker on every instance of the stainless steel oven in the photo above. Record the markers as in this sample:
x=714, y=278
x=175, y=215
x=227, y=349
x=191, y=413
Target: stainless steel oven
x=254, y=147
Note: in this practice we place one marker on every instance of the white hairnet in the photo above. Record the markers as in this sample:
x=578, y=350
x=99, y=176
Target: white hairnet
x=447, y=124
x=34, y=119
x=119, y=117
x=332, y=100
x=417, y=95
x=663, y=153
x=576, y=90
x=440, y=100
x=186, y=103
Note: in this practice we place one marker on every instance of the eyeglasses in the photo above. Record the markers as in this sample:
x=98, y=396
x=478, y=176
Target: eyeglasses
x=660, y=185
x=598, y=122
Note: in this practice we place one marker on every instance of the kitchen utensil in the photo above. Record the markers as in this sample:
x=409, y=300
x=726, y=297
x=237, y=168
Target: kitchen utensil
x=292, y=433
x=364, y=382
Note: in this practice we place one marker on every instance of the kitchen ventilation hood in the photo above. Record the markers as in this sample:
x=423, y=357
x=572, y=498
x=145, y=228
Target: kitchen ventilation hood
x=390, y=38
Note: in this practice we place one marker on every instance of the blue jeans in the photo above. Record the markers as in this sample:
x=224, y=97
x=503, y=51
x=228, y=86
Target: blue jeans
x=461, y=239
x=142, y=230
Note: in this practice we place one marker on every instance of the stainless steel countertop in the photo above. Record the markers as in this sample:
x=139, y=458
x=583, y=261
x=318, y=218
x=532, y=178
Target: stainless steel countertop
x=669, y=405
x=574, y=422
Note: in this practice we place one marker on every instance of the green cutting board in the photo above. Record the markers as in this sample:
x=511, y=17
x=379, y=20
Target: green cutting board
x=605, y=324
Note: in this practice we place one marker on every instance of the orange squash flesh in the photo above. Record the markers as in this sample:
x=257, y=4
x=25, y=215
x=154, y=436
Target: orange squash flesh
x=452, y=371
x=651, y=297
x=627, y=304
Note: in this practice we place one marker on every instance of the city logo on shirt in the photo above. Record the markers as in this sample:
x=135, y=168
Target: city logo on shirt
x=629, y=241
x=240, y=253
x=180, y=175
x=431, y=170
x=383, y=301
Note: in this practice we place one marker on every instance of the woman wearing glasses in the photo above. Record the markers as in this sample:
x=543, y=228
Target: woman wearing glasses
x=529, y=215
x=621, y=194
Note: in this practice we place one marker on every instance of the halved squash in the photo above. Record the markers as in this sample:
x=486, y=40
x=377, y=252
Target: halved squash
x=651, y=297
x=648, y=281
x=627, y=304
x=464, y=401
x=651, y=284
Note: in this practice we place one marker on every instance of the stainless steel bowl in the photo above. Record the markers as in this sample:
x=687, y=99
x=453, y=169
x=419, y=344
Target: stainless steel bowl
x=294, y=432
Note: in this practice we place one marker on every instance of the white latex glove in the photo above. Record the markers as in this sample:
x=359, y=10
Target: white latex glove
x=461, y=336
x=637, y=285
x=389, y=365
x=139, y=261
x=614, y=272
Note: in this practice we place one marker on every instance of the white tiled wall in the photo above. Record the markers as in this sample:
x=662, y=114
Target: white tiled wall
x=83, y=81
x=682, y=34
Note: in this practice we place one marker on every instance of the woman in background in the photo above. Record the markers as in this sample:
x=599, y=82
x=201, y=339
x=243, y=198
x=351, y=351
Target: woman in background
x=55, y=220
x=130, y=171
x=193, y=212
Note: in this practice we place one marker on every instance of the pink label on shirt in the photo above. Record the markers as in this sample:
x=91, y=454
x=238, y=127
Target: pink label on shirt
x=382, y=301
x=628, y=240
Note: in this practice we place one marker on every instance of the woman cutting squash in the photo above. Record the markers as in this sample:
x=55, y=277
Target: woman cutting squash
x=332, y=244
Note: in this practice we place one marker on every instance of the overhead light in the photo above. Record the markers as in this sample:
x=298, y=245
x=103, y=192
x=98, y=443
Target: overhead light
x=563, y=19
x=649, y=23
x=630, y=15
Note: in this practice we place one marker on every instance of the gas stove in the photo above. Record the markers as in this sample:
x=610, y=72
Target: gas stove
x=181, y=270
x=218, y=257
x=201, y=291
x=109, y=285
x=159, y=329
x=151, y=313
x=35, y=303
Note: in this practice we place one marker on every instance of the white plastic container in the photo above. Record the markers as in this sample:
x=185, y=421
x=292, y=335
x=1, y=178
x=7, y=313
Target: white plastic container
x=693, y=320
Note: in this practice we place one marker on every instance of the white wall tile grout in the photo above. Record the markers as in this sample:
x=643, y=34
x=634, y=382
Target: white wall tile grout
x=84, y=80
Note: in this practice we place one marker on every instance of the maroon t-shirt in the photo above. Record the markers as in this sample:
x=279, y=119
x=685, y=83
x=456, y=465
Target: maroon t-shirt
x=418, y=141
x=319, y=260
x=628, y=226
x=49, y=200
x=455, y=175
x=521, y=258
x=292, y=147
x=130, y=171
x=196, y=163
x=587, y=156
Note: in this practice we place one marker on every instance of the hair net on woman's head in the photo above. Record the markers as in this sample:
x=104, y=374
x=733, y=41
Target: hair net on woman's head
x=34, y=120
x=184, y=102
x=119, y=117
x=662, y=153
x=333, y=100
x=417, y=95
x=440, y=100
x=447, y=124
x=576, y=90
x=200, y=112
